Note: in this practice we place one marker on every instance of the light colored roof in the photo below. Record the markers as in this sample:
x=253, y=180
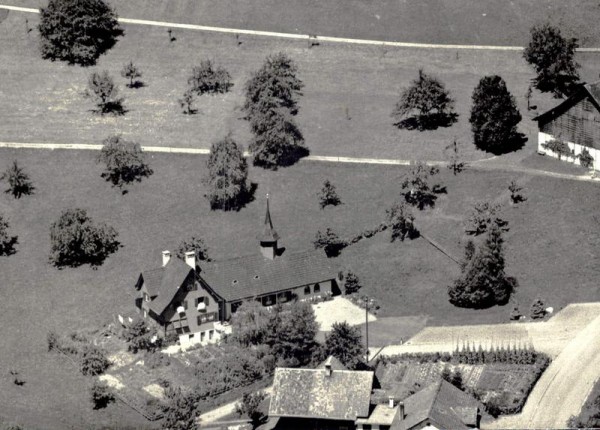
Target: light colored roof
x=254, y=275
x=382, y=415
x=312, y=393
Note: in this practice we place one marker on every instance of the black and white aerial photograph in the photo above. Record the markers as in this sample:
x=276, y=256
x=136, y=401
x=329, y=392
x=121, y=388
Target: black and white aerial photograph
x=299, y=214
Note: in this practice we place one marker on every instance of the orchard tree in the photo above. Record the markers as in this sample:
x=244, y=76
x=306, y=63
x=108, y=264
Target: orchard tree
x=494, y=116
x=516, y=193
x=187, y=102
x=104, y=93
x=344, y=342
x=553, y=58
x=75, y=240
x=416, y=187
x=7, y=242
x=19, y=183
x=483, y=215
x=196, y=244
x=180, y=411
x=483, y=282
x=77, y=31
x=227, y=179
x=427, y=103
x=456, y=162
x=124, y=162
x=401, y=222
x=208, y=79
x=328, y=195
x=132, y=72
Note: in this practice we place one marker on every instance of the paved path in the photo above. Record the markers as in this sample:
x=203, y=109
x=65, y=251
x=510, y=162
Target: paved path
x=487, y=164
x=223, y=411
x=304, y=36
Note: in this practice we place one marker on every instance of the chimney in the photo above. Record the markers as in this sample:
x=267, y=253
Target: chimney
x=190, y=259
x=401, y=411
x=166, y=256
x=391, y=402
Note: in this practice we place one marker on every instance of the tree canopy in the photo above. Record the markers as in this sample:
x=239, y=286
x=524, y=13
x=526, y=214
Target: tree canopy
x=553, y=58
x=227, y=179
x=494, y=116
x=209, y=79
x=416, y=187
x=196, y=244
x=77, y=31
x=401, y=222
x=19, y=183
x=104, y=93
x=345, y=343
x=124, y=162
x=7, y=242
x=75, y=240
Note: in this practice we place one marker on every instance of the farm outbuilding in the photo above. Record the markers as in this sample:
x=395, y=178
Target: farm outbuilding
x=571, y=130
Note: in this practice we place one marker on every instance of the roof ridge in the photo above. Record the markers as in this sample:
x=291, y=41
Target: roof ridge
x=435, y=397
x=260, y=256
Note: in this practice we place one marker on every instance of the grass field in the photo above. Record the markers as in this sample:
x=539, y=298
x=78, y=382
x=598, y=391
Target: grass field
x=43, y=102
x=407, y=279
x=430, y=21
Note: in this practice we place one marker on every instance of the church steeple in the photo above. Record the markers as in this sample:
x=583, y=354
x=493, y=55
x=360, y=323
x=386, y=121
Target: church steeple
x=269, y=237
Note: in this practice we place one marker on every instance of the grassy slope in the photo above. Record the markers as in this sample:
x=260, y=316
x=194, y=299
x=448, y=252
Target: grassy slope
x=407, y=278
x=42, y=101
x=430, y=21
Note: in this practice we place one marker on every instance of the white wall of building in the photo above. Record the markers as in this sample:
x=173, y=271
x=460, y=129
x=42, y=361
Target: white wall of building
x=576, y=148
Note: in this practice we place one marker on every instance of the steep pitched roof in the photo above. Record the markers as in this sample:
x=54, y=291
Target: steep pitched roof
x=312, y=393
x=268, y=234
x=164, y=282
x=443, y=404
x=591, y=91
x=333, y=362
x=251, y=276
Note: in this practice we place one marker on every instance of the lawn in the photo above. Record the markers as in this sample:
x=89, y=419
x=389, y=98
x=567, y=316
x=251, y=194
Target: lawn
x=407, y=279
x=43, y=102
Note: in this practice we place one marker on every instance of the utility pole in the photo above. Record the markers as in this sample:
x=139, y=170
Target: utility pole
x=367, y=325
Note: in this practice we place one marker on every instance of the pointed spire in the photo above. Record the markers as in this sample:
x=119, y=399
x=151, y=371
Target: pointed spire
x=269, y=234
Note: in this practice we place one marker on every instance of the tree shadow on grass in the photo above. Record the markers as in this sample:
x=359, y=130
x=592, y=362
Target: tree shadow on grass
x=288, y=158
x=515, y=143
x=8, y=248
x=427, y=122
x=137, y=84
x=114, y=108
x=242, y=200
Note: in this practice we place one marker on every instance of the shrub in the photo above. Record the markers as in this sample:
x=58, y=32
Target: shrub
x=416, y=188
x=7, y=242
x=402, y=222
x=516, y=195
x=124, y=160
x=139, y=337
x=538, y=310
x=249, y=406
x=328, y=195
x=76, y=240
x=351, y=283
x=101, y=394
x=93, y=361
x=330, y=242
x=156, y=359
x=132, y=72
x=187, y=102
x=19, y=183
x=560, y=148
x=103, y=92
x=180, y=411
x=208, y=79
x=52, y=340
x=196, y=244
x=77, y=31
x=586, y=159
x=484, y=215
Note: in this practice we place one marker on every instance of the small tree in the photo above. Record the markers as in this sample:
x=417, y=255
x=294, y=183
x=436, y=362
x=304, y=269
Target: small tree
x=101, y=394
x=328, y=195
x=330, y=242
x=292, y=334
x=132, y=72
x=250, y=324
x=457, y=380
x=180, y=412
x=227, y=179
x=207, y=79
x=249, y=406
x=516, y=195
x=7, y=242
x=416, y=188
x=77, y=31
x=187, y=102
x=553, y=59
x=538, y=310
x=401, y=222
x=124, y=160
x=344, y=342
x=430, y=100
x=196, y=244
x=140, y=337
x=585, y=159
x=76, y=240
x=103, y=92
x=483, y=215
x=351, y=283
x=19, y=183
x=455, y=161
x=93, y=361
x=494, y=116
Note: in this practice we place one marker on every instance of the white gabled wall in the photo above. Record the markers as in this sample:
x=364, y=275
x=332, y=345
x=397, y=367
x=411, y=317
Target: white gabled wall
x=576, y=148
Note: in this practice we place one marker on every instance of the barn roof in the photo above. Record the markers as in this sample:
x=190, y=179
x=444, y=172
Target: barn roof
x=164, y=282
x=313, y=393
x=590, y=91
x=254, y=275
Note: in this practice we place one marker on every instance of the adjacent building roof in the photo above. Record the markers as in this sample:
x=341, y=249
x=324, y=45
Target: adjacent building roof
x=314, y=393
x=442, y=404
x=251, y=276
x=164, y=283
x=591, y=91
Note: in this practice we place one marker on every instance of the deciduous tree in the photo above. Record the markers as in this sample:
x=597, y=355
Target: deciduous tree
x=328, y=195
x=196, y=244
x=103, y=92
x=345, y=343
x=7, y=242
x=249, y=406
x=416, y=187
x=181, y=410
x=19, y=183
x=208, y=79
x=132, y=72
x=124, y=162
x=330, y=242
x=401, y=222
x=101, y=394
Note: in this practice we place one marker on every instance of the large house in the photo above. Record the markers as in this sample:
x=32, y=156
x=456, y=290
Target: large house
x=195, y=299
x=574, y=122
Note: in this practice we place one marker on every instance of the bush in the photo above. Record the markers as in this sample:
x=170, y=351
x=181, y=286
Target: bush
x=351, y=283
x=206, y=79
x=196, y=244
x=139, y=337
x=328, y=195
x=93, y=361
x=180, y=412
x=52, y=340
x=402, y=222
x=187, y=102
x=483, y=215
x=77, y=31
x=494, y=116
x=101, y=394
x=76, y=240
x=330, y=242
x=250, y=407
x=538, y=310
x=560, y=148
x=124, y=160
x=516, y=195
x=7, y=242
x=416, y=188
x=19, y=183
x=103, y=92
x=132, y=72
x=156, y=359
x=586, y=159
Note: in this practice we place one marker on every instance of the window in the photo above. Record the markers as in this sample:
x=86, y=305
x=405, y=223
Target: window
x=307, y=290
x=201, y=300
x=317, y=288
x=210, y=334
x=191, y=336
x=202, y=336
